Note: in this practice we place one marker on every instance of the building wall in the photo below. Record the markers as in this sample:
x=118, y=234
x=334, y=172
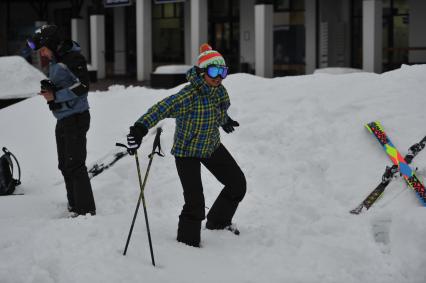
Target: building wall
x=417, y=36
x=247, y=32
x=372, y=38
x=21, y=26
x=310, y=36
x=3, y=28
x=333, y=26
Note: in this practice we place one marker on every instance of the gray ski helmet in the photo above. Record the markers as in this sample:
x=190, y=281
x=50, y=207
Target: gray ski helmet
x=46, y=35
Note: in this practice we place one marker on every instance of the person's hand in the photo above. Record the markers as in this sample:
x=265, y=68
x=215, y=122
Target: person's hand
x=47, y=94
x=134, y=138
x=48, y=90
x=230, y=125
x=48, y=85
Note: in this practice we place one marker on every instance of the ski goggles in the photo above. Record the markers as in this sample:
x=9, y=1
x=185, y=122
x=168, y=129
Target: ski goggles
x=35, y=43
x=31, y=44
x=214, y=71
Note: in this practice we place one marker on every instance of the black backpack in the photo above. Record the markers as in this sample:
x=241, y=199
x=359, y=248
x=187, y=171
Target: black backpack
x=7, y=183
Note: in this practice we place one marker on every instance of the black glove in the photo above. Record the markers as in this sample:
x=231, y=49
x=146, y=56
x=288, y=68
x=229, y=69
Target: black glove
x=228, y=127
x=53, y=106
x=48, y=85
x=134, y=138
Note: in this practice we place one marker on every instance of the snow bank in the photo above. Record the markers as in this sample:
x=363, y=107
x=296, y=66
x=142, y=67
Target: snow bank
x=172, y=69
x=337, y=71
x=19, y=79
x=307, y=158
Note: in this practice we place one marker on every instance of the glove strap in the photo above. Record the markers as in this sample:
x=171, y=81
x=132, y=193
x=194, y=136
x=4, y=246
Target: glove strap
x=156, y=148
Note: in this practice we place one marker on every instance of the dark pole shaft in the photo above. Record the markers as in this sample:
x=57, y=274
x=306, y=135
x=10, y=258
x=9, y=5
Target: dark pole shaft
x=148, y=231
x=131, y=227
x=142, y=186
x=141, y=197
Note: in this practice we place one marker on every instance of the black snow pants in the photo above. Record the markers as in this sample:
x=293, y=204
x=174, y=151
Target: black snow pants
x=71, y=145
x=226, y=170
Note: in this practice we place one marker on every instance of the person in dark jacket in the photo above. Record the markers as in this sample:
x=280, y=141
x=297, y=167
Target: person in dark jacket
x=66, y=93
x=200, y=108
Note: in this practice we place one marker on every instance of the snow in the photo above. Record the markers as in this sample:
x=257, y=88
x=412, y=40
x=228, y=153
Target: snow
x=308, y=160
x=91, y=67
x=337, y=71
x=172, y=69
x=19, y=79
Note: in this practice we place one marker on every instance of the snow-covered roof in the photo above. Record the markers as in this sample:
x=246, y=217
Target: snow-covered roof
x=19, y=79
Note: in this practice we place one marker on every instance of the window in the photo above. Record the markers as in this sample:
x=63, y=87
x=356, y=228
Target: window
x=395, y=33
x=289, y=37
x=168, y=28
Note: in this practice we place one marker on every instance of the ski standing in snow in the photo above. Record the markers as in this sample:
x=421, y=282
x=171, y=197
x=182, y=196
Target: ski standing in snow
x=199, y=109
x=66, y=93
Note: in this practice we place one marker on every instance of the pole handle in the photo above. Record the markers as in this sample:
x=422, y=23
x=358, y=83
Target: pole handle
x=157, y=143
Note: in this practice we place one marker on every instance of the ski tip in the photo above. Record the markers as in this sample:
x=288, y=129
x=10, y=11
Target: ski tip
x=422, y=198
x=368, y=128
x=358, y=209
x=374, y=124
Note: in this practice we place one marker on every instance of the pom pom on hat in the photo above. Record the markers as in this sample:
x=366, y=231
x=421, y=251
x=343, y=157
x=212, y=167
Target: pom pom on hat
x=205, y=47
x=208, y=57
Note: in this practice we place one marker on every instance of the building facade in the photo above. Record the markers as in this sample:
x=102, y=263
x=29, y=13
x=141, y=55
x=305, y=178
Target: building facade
x=268, y=38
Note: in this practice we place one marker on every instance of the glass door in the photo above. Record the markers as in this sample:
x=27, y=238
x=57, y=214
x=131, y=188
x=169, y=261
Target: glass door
x=395, y=33
x=224, y=30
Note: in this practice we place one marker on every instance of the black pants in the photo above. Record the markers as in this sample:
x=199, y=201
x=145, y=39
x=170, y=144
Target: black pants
x=223, y=166
x=71, y=145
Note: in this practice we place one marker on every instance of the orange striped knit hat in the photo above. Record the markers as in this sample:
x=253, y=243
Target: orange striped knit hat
x=208, y=57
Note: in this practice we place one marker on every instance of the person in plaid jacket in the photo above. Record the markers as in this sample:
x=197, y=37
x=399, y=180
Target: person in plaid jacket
x=200, y=108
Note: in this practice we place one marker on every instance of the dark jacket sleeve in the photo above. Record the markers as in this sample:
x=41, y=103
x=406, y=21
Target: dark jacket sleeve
x=77, y=64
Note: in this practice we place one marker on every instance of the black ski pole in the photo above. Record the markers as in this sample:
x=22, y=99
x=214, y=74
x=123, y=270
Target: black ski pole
x=142, y=187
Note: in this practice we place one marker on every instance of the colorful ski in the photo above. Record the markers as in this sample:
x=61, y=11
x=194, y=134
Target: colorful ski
x=390, y=172
x=407, y=173
x=378, y=191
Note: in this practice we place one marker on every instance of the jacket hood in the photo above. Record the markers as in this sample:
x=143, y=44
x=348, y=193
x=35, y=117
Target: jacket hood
x=67, y=46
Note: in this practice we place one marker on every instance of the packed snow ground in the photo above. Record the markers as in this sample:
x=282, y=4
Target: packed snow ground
x=308, y=160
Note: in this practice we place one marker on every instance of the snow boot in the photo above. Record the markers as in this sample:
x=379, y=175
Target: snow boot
x=189, y=232
x=228, y=226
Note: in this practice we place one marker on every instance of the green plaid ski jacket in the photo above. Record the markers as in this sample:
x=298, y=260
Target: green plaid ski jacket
x=199, y=111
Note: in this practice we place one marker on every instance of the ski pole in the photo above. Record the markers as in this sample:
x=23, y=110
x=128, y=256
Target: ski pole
x=142, y=187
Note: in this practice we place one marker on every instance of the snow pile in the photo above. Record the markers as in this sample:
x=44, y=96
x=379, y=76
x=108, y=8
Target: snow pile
x=337, y=71
x=172, y=69
x=19, y=79
x=307, y=158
